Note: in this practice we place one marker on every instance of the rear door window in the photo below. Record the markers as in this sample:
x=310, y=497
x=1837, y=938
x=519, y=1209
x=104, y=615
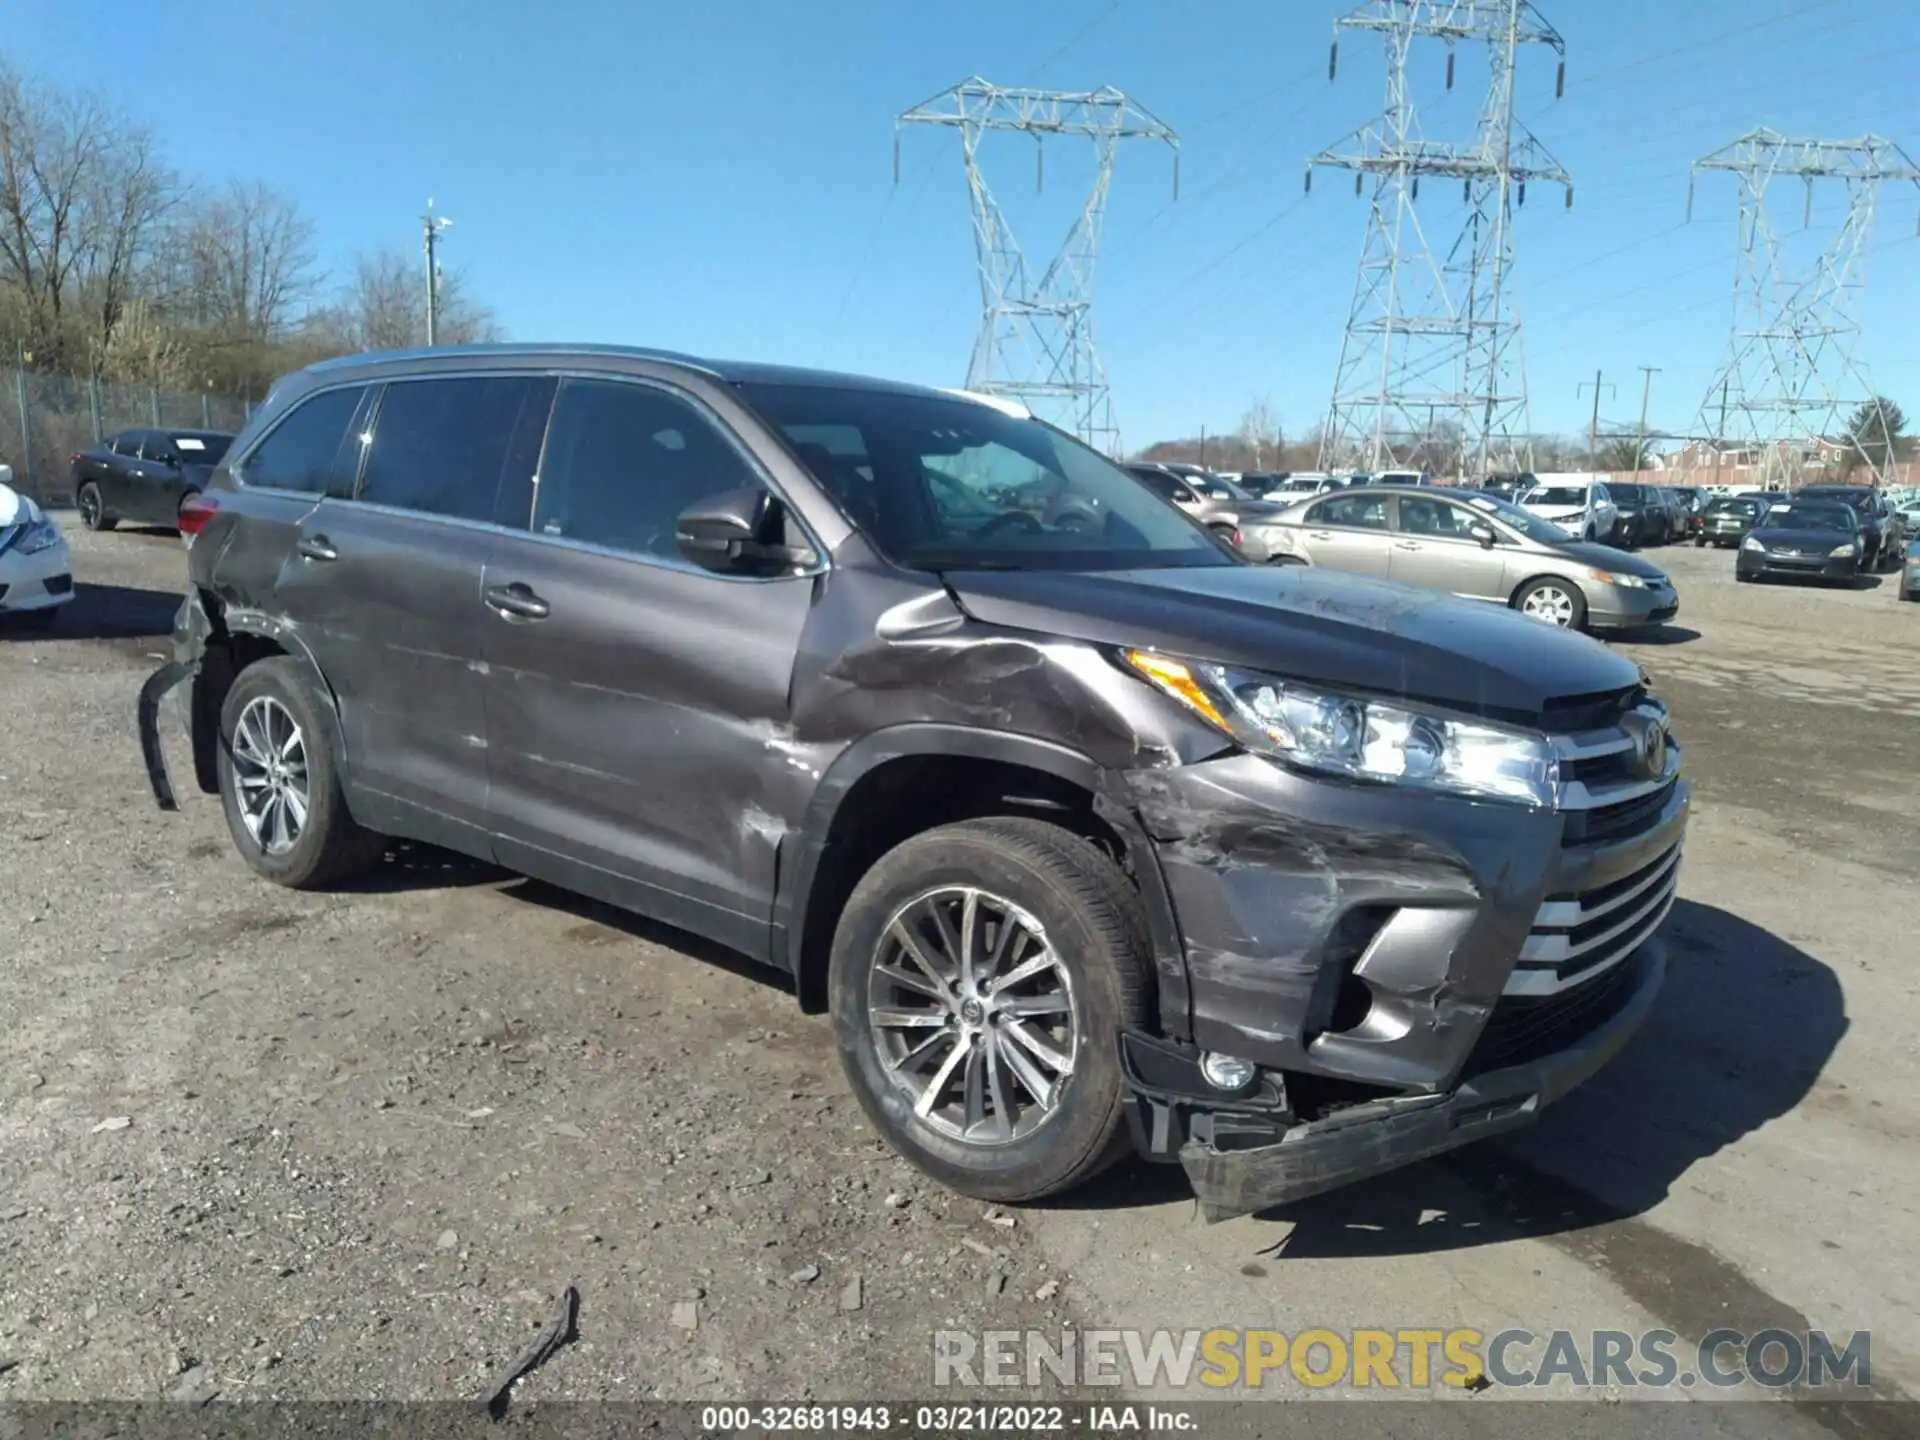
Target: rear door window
x=1437, y=518
x=310, y=450
x=464, y=447
x=1359, y=511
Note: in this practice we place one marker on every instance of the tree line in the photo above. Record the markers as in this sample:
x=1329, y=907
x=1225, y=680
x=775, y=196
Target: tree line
x=1873, y=439
x=115, y=266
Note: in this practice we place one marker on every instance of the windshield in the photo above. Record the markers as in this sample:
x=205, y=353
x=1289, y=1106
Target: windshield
x=941, y=483
x=1626, y=494
x=1858, y=500
x=200, y=449
x=1805, y=515
x=1557, y=495
x=1733, y=507
x=1514, y=518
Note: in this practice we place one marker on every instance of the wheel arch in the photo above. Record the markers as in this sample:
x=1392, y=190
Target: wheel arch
x=907, y=779
x=238, y=637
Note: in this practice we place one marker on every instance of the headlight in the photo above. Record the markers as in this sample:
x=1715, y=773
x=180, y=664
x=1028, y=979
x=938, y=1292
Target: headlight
x=1852, y=547
x=1752, y=544
x=43, y=536
x=1362, y=739
x=1625, y=582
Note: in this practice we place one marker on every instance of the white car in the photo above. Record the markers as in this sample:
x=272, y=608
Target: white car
x=1580, y=506
x=36, y=568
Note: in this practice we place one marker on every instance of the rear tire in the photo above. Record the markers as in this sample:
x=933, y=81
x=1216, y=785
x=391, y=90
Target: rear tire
x=93, y=508
x=308, y=841
x=1079, y=910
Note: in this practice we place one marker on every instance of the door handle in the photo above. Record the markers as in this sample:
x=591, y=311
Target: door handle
x=1319, y=535
x=1406, y=545
x=315, y=547
x=515, y=601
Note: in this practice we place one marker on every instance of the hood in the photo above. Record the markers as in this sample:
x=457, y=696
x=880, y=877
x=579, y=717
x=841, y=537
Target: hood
x=1620, y=562
x=1312, y=625
x=1557, y=513
x=1799, y=539
x=16, y=509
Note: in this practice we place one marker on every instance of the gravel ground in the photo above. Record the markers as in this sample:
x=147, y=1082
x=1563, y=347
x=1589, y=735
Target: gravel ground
x=352, y=1146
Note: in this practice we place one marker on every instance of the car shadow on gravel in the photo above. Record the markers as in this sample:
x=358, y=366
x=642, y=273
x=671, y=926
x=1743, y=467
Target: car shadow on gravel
x=1655, y=635
x=1744, y=1026
x=412, y=866
x=102, y=612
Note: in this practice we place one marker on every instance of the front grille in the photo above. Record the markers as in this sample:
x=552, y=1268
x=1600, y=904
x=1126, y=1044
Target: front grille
x=1615, y=822
x=1523, y=1028
x=1577, y=936
x=1568, y=714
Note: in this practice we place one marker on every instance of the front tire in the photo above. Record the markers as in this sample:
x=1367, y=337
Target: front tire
x=1552, y=601
x=280, y=782
x=1000, y=1076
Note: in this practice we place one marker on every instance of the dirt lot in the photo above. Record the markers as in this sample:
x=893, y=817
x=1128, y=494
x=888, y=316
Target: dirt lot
x=358, y=1142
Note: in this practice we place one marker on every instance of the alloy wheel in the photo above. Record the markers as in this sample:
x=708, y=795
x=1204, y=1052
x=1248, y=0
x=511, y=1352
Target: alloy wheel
x=972, y=1015
x=270, y=775
x=89, y=503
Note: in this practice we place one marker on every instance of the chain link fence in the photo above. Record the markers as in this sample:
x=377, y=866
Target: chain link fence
x=46, y=419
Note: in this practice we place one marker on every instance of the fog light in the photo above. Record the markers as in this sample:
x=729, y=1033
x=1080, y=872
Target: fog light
x=1223, y=1072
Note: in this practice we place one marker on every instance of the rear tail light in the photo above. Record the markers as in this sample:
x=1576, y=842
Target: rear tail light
x=1236, y=537
x=195, y=512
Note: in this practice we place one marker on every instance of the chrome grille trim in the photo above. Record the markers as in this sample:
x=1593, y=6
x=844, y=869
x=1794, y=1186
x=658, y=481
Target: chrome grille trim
x=1571, y=914
x=1579, y=795
x=1551, y=961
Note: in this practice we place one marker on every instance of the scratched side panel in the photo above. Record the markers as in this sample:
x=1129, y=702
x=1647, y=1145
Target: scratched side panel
x=395, y=624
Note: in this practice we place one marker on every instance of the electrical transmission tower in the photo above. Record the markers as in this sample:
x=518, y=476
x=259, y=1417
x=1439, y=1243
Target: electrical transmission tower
x=1792, y=362
x=1036, y=341
x=1431, y=368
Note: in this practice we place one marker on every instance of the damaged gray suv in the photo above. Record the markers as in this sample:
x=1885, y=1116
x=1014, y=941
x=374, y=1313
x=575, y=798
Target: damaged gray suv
x=1082, y=834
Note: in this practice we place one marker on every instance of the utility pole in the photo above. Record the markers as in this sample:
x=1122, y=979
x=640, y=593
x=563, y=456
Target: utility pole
x=1646, y=394
x=1593, y=426
x=430, y=227
x=1203, y=447
x=1036, y=340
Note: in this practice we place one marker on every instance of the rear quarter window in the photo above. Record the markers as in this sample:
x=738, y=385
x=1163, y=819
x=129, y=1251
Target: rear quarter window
x=306, y=450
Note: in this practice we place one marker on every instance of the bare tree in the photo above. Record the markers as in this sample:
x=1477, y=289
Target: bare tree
x=1260, y=432
x=383, y=307
x=82, y=194
x=249, y=257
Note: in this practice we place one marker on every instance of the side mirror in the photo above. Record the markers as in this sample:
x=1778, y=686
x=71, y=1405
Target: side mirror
x=737, y=533
x=1484, y=534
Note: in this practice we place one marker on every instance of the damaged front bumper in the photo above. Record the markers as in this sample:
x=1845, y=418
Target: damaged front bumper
x=1406, y=973
x=1231, y=1177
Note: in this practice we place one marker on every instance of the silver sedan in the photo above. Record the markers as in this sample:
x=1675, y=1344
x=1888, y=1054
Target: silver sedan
x=1472, y=544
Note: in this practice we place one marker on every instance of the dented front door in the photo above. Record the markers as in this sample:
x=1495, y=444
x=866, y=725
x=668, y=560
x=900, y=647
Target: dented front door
x=630, y=695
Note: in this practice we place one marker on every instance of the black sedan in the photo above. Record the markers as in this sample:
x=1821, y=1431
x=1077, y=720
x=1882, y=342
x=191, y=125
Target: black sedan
x=1802, y=540
x=144, y=475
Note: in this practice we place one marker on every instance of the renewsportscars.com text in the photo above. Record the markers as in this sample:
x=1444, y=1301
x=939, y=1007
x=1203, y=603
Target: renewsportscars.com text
x=1412, y=1358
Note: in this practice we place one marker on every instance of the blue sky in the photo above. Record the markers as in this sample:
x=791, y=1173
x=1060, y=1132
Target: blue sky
x=718, y=178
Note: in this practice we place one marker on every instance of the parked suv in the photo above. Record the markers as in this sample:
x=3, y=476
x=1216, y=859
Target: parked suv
x=1292, y=876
